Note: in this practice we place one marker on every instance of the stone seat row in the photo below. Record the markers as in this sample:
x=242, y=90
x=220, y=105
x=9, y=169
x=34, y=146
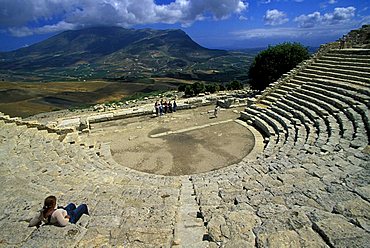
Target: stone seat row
x=35, y=141
x=39, y=165
x=334, y=109
x=339, y=97
x=329, y=74
x=31, y=141
x=343, y=66
x=359, y=60
x=347, y=102
x=333, y=125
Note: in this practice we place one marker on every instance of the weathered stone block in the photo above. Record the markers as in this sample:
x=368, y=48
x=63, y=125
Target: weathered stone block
x=338, y=232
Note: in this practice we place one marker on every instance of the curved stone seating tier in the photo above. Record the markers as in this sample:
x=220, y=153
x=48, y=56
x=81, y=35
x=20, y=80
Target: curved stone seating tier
x=304, y=116
x=295, y=133
x=349, y=53
x=279, y=137
x=350, y=60
x=312, y=74
x=341, y=66
x=357, y=117
x=357, y=75
x=321, y=124
x=352, y=109
x=360, y=94
x=267, y=126
x=120, y=200
x=335, y=75
x=298, y=131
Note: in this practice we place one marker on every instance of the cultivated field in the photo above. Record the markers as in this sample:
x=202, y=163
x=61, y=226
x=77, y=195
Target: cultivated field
x=24, y=99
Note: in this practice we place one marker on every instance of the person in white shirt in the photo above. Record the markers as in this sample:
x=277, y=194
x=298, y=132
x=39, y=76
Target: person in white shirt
x=60, y=216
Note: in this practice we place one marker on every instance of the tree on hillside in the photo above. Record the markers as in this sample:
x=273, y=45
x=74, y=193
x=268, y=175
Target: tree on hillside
x=189, y=91
x=212, y=88
x=270, y=64
x=234, y=85
x=199, y=87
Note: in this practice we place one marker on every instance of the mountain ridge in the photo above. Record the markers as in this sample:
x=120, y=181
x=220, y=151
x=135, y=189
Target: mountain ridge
x=116, y=53
x=91, y=44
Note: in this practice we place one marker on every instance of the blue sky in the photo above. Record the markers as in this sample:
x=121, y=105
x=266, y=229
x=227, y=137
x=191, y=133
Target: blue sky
x=212, y=23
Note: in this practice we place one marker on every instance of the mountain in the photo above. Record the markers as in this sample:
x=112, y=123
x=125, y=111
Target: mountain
x=106, y=44
x=119, y=54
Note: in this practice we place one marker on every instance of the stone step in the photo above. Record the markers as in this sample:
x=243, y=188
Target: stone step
x=313, y=76
x=318, y=73
x=346, y=59
x=343, y=65
x=350, y=109
x=350, y=52
x=280, y=136
x=294, y=125
x=304, y=107
x=261, y=124
x=189, y=228
x=364, y=73
x=335, y=128
x=344, y=91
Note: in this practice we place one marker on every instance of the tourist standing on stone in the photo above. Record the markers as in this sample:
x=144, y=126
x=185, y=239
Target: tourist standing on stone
x=342, y=42
x=60, y=216
x=156, y=106
x=217, y=108
x=161, y=108
x=165, y=107
x=170, y=109
x=174, y=106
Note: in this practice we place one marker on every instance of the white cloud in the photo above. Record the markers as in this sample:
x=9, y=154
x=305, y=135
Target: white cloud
x=332, y=1
x=275, y=17
x=267, y=33
x=270, y=1
x=69, y=14
x=293, y=33
x=340, y=15
x=243, y=18
x=308, y=21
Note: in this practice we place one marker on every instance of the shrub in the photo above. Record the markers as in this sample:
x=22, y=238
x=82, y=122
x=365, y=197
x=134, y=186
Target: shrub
x=181, y=87
x=212, y=88
x=189, y=90
x=199, y=88
x=234, y=85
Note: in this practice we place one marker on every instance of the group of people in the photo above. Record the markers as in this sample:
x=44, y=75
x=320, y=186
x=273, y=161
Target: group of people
x=164, y=107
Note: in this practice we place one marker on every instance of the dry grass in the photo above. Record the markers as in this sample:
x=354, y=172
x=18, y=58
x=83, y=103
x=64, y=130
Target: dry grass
x=29, y=98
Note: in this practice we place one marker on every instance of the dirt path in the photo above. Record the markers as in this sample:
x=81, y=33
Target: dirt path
x=189, y=142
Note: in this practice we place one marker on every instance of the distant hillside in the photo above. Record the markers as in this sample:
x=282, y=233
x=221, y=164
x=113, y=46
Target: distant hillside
x=98, y=44
x=114, y=52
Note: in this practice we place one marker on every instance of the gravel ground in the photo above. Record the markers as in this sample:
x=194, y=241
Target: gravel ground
x=213, y=145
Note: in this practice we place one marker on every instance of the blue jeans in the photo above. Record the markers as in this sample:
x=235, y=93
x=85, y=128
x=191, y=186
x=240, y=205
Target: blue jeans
x=76, y=213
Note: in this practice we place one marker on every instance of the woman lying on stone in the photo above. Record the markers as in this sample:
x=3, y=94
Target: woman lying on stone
x=60, y=216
